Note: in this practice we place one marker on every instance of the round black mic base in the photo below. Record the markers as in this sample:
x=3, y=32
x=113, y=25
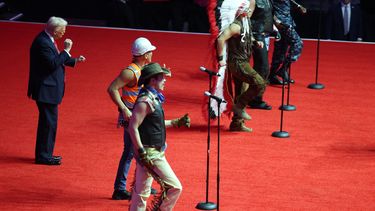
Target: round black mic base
x=315, y=86
x=280, y=134
x=206, y=206
x=288, y=107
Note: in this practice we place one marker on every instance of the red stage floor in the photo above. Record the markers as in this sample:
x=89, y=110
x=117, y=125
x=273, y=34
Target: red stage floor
x=328, y=163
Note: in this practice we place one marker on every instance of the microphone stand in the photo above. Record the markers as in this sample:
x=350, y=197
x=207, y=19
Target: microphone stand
x=288, y=107
x=218, y=157
x=317, y=85
x=281, y=133
x=208, y=205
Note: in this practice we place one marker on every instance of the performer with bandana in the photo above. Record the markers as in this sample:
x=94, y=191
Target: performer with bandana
x=237, y=37
x=147, y=129
x=289, y=48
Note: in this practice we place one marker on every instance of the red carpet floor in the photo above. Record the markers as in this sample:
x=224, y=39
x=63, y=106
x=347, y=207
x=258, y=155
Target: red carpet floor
x=328, y=163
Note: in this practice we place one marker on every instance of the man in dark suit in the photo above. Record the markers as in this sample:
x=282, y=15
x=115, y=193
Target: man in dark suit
x=47, y=84
x=344, y=22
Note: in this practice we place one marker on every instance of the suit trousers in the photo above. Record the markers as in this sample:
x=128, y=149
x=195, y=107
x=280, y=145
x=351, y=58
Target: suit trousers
x=143, y=181
x=46, y=133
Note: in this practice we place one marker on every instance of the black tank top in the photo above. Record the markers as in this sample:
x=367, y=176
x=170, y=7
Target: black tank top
x=152, y=130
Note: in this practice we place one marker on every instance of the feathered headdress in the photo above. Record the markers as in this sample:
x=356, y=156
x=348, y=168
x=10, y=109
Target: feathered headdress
x=221, y=14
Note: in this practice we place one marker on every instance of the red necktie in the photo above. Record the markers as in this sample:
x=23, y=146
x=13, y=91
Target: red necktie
x=56, y=46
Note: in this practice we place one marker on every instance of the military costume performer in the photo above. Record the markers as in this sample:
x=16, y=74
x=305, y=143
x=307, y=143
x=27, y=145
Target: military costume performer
x=289, y=48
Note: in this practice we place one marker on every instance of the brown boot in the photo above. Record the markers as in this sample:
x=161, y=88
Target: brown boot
x=239, y=125
x=241, y=112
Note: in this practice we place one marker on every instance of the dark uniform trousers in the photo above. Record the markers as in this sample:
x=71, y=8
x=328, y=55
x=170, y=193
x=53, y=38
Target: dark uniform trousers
x=261, y=66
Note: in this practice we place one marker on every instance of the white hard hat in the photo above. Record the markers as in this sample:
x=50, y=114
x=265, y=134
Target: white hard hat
x=141, y=46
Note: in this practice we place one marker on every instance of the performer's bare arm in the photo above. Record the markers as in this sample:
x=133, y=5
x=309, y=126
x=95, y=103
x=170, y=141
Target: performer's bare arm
x=252, y=7
x=139, y=113
x=126, y=77
x=232, y=30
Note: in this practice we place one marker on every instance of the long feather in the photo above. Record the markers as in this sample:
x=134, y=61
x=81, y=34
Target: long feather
x=221, y=14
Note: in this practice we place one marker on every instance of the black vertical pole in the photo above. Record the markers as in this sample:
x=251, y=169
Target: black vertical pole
x=317, y=85
x=288, y=107
x=281, y=133
x=208, y=205
x=208, y=139
x=218, y=158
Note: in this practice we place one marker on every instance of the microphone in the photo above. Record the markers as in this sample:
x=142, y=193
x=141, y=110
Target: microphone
x=218, y=99
x=210, y=72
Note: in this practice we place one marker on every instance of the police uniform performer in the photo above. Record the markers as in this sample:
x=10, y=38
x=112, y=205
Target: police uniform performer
x=262, y=27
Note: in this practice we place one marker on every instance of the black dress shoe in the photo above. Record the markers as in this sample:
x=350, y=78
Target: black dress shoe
x=284, y=74
x=121, y=195
x=274, y=80
x=50, y=162
x=262, y=105
x=57, y=157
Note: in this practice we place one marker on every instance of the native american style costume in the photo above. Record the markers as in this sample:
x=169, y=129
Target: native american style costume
x=221, y=14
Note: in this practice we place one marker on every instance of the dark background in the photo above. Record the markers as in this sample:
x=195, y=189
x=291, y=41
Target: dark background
x=161, y=14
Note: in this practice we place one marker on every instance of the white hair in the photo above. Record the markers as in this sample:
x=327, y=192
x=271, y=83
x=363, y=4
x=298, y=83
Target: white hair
x=55, y=22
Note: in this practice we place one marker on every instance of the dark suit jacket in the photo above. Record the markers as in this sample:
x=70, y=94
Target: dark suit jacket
x=47, y=70
x=335, y=23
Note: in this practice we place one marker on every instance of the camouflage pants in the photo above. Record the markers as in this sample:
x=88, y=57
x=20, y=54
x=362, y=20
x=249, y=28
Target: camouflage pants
x=287, y=50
